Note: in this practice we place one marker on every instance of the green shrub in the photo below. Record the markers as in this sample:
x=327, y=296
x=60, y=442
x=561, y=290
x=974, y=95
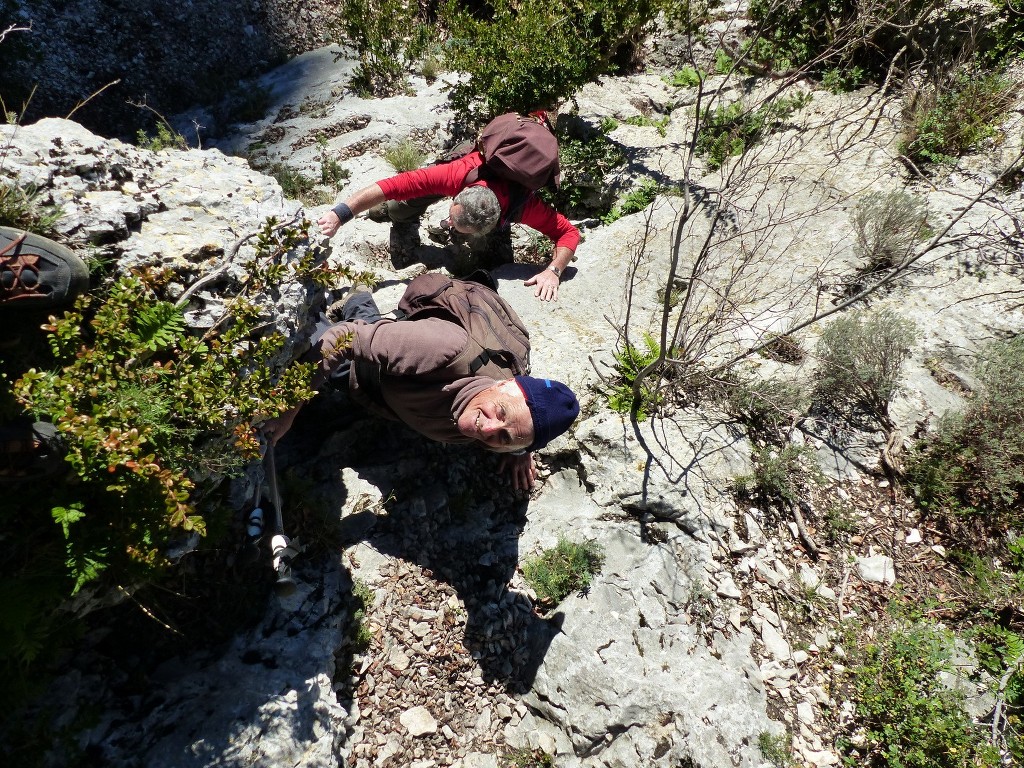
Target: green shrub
x=973, y=465
x=165, y=138
x=387, y=39
x=909, y=718
x=941, y=124
x=522, y=55
x=298, y=186
x=568, y=567
x=887, y=226
x=765, y=406
x=860, y=358
x=687, y=77
x=776, y=749
x=404, y=156
x=585, y=165
x=608, y=124
x=634, y=201
x=843, y=80
x=646, y=122
x=629, y=362
x=141, y=403
x=21, y=208
x=779, y=474
x=359, y=633
x=728, y=131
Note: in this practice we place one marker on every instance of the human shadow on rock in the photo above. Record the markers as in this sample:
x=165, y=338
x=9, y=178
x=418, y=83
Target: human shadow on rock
x=448, y=510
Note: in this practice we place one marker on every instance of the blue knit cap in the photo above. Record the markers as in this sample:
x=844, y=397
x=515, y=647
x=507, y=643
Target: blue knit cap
x=553, y=407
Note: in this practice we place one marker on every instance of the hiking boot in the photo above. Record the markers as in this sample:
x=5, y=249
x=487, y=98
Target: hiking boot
x=37, y=272
x=379, y=213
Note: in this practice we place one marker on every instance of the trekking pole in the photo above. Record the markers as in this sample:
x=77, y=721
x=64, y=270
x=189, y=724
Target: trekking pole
x=280, y=546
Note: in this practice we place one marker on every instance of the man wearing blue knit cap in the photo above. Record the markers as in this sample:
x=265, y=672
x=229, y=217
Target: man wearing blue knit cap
x=428, y=373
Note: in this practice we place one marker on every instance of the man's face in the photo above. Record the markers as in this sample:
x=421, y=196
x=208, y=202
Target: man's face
x=499, y=418
x=454, y=212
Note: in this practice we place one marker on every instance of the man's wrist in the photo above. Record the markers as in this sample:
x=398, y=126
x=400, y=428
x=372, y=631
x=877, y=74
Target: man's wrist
x=556, y=270
x=343, y=212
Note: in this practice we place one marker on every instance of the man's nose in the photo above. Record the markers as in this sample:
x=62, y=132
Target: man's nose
x=489, y=426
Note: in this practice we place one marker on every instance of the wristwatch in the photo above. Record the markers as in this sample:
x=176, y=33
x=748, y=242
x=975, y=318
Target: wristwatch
x=556, y=270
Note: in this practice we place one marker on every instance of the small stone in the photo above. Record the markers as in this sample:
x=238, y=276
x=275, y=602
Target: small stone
x=805, y=712
x=939, y=550
x=799, y=657
x=418, y=721
x=728, y=589
x=913, y=536
x=775, y=643
x=879, y=569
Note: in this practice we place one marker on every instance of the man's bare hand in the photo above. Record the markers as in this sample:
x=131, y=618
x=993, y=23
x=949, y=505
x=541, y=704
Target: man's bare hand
x=547, y=285
x=329, y=223
x=524, y=474
x=275, y=429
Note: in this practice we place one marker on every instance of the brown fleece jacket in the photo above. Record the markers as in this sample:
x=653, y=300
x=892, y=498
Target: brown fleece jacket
x=420, y=381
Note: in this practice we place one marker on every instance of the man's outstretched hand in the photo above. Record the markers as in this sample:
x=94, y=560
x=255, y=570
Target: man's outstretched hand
x=524, y=474
x=547, y=285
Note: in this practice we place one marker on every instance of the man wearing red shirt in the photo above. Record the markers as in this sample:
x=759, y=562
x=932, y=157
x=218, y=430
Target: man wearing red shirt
x=474, y=213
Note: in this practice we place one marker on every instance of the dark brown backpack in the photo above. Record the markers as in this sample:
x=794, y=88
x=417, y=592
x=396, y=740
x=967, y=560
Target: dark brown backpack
x=497, y=335
x=519, y=148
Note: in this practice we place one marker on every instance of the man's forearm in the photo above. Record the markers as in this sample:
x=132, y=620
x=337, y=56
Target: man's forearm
x=365, y=199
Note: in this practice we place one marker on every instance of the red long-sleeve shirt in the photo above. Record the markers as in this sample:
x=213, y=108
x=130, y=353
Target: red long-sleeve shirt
x=447, y=179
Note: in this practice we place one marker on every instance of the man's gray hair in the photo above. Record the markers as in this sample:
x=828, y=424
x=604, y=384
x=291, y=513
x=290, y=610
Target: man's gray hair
x=479, y=210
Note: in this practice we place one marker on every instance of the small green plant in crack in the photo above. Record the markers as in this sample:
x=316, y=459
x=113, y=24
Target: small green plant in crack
x=298, y=186
x=776, y=749
x=634, y=201
x=332, y=173
x=608, y=124
x=558, y=572
x=643, y=121
x=165, y=138
x=20, y=207
x=629, y=362
x=404, y=156
x=779, y=474
x=527, y=758
x=359, y=632
x=729, y=130
x=687, y=77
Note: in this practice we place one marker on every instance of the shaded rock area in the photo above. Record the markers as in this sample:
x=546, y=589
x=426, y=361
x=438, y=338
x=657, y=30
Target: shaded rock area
x=147, y=49
x=413, y=639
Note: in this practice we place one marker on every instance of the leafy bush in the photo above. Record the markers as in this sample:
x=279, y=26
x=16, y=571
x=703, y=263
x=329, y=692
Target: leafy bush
x=298, y=186
x=380, y=32
x=843, y=80
x=908, y=717
x=973, y=465
x=404, y=156
x=585, y=164
x=557, y=573
x=942, y=123
x=729, y=130
x=608, y=124
x=862, y=38
x=860, y=357
x=887, y=226
x=634, y=201
x=141, y=403
x=629, y=362
x=522, y=55
x=687, y=77
x=165, y=138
